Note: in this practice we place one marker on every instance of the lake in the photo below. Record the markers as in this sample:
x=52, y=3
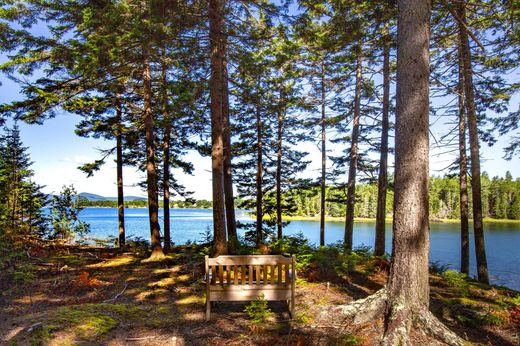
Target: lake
x=502, y=239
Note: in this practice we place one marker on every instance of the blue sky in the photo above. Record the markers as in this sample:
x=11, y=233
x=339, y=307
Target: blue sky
x=57, y=152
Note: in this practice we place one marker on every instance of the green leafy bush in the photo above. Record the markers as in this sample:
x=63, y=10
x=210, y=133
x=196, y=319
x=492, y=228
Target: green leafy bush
x=258, y=311
x=457, y=280
x=437, y=268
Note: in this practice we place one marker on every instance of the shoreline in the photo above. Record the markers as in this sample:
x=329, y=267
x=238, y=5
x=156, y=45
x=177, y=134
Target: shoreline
x=333, y=218
x=388, y=220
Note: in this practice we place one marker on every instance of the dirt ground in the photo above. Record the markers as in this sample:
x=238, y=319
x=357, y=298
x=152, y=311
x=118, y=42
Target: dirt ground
x=100, y=296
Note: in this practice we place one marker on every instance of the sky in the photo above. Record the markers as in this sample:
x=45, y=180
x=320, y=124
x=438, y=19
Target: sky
x=57, y=152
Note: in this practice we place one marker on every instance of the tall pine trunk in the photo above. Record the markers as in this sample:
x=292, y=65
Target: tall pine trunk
x=216, y=22
x=166, y=161
x=382, y=185
x=404, y=302
x=228, y=169
x=279, y=142
x=352, y=169
x=151, y=172
x=408, y=288
x=166, y=186
x=463, y=175
x=323, y=157
x=119, y=173
x=259, y=177
x=478, y=227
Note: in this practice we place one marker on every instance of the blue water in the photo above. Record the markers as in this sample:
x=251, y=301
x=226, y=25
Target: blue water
x=502, y=240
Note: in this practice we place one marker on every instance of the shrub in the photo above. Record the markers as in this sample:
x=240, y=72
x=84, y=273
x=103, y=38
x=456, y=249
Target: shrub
x=258, y=311
x=457, y=280
x=437, y=268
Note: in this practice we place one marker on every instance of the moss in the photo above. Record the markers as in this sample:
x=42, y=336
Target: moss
x=69, y=260
x=41, y=335
x=85, y=322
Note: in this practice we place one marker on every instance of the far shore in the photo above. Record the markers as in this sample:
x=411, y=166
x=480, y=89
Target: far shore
x=334, y=218
x=387, y=220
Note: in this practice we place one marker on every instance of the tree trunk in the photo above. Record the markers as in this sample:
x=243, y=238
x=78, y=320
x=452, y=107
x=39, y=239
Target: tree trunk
x=216, y=20
x=166, y=161
x=166, y=187
x=405, y=300
x=408, y=288
x=119, y=170
x=480, y=248
x=228, y=169
x=259, y=177
x=382, y=186
x=463, y=169
x=323, y=157
x=279, y=171
x=151, y=172
x=352, y=169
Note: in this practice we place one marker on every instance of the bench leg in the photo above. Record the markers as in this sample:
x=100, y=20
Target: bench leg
x=208, y=309
x=291, y=307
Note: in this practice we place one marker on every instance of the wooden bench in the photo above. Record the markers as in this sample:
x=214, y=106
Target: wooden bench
x=244, y=278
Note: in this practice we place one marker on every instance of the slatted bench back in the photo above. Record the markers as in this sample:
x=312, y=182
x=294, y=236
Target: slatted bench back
x=254, y=270
x=243, y=278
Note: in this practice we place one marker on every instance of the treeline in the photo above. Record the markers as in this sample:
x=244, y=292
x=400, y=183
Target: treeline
x=139, y=203
x=500, y=199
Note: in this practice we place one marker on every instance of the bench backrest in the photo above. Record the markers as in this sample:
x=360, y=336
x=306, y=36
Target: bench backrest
x=251, y=270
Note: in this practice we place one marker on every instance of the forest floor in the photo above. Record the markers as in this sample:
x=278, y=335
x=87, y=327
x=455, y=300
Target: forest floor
x=95, y=296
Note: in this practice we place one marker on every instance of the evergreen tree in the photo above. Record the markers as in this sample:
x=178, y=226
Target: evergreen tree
x=21, y=199
x=64, y=218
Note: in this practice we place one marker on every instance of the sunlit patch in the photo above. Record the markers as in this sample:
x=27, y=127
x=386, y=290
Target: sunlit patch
x=114, y=262
x=184, y=278
x=157, y=295
x=165, y=282
x=191, y=299
x=11, y=333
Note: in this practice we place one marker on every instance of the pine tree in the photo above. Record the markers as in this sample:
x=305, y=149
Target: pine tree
x=21, y=199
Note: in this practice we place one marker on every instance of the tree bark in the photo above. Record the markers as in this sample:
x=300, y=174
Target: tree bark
x=279, y=143
x=382, y=186
x=259, y=178
x=463, y=175
x=119, y=173
x=151, y=172
x=228, y=169
x=166, y=160
x=478, y=227
x=323, y=157
x=352, y=169
x=408, y=288
x=166, y=187
x=405, y=300
x=216, y=20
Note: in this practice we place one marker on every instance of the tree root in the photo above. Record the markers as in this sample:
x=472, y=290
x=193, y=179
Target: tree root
x=360, y=311
x=399, y=319
x=435, y=328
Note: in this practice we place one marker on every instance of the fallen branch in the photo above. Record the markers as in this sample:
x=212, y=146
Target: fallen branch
x=117, y=296
x=34, y=327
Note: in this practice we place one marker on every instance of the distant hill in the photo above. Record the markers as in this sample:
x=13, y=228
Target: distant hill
x=93, y=197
